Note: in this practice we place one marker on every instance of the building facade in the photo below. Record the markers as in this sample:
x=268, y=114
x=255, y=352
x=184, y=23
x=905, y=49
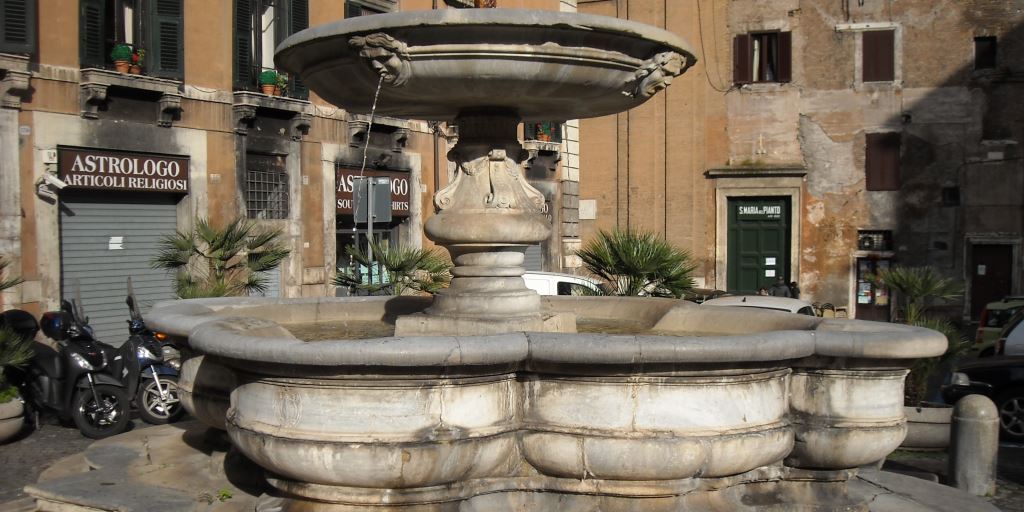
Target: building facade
x=97, y=164
x=822, y=141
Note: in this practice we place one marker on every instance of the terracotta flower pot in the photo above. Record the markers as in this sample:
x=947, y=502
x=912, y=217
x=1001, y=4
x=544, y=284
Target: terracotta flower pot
x=268, y=89
x=122, y=66
x=11, y=419
x=135, y=69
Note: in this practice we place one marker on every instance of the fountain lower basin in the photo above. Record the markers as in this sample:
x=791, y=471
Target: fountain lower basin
x=440, y=422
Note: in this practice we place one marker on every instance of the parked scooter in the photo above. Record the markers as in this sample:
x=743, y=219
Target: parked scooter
x=147, y=371
x=72, y=381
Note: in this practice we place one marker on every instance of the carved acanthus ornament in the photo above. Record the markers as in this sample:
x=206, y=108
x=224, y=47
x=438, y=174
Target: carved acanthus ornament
x=655, y=74
x=388, y=56
x=493, y=181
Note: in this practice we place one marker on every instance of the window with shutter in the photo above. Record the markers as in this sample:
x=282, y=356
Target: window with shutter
x=166, y=37
x=298, y=20
x=92, y=33
x=18, y=26
x=878, y=60
x=985, y=52
x=762, y=57
x=242, y=61
x=882, y=161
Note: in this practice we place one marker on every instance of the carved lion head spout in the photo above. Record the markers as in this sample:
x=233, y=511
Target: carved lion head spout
x=388, y=56
x=656, y=74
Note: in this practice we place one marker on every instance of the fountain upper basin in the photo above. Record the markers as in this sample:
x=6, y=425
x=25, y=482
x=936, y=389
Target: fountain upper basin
x=437, y=64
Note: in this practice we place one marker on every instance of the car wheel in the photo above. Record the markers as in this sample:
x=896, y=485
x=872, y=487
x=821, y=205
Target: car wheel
x=1010, y=403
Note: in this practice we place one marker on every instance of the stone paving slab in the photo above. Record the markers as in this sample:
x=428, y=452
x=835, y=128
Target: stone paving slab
x=893, y=492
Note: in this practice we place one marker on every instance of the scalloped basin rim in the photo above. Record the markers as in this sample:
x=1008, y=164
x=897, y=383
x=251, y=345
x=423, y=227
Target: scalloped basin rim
x=221, y=327
x=526, y=18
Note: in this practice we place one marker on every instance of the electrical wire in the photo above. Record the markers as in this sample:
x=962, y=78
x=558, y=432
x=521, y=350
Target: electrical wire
x=703, y=53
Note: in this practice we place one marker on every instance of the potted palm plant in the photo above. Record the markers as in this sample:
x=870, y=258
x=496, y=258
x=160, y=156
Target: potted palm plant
x=220, y=262
x=122, y=56
x=268, y=82
x=917, y=289
x=633, y=263
x=15, y=351
x=403, y=270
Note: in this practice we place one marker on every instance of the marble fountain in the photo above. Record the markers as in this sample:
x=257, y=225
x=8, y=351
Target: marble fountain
x=488, y=397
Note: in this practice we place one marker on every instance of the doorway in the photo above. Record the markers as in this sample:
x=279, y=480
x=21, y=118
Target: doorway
x=991, y=274
x=758, y=242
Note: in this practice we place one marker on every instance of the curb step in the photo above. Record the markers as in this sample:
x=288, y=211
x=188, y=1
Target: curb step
x=19, y=505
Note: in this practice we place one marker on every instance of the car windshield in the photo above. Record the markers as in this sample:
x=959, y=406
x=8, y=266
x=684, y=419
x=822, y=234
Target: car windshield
x=998, y=317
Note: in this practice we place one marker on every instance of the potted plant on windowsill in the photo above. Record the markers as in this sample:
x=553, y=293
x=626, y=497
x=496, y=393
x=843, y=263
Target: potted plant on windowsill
x=138, y=59
x=282, y=84
x=268, y=82
x=122, y=56
x=15, y=351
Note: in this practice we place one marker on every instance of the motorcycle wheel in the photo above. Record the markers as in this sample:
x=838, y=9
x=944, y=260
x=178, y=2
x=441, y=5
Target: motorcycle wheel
x=104, y=419
x=154, y=409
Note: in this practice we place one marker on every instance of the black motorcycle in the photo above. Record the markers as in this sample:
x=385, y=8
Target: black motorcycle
x=73, y=381
x=148, y=366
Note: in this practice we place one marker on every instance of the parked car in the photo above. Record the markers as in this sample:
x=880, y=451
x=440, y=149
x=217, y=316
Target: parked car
x=551, y=283
x=999, y=378
x=1011, y=339
x=701, y=295
x=993, y=320
x=785, y=304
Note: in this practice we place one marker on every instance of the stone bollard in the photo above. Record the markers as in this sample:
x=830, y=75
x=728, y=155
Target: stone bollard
x=974, y=444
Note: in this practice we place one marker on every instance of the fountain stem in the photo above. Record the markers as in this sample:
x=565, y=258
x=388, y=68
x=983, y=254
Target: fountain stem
x=487, y=217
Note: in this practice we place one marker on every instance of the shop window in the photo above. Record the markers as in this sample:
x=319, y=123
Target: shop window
x=878, y=54
x=762, y=57
x=266, y=186
x=545, y=131
x=153, y=26
x=872, y=296
x=18, y=26
x=882, y=162
x=259, y=26
x=985, y=51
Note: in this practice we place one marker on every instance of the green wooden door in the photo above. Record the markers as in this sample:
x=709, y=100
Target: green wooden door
x=758, y=245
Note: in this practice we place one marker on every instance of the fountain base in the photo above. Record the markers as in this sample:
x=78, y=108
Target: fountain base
x=422, y=324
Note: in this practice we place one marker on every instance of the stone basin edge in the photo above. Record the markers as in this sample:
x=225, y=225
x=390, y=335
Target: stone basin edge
x=220, y=327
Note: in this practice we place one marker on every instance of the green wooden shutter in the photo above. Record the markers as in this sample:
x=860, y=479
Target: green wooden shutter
x=242, y=50
x=353, y=10
x=298, y=20
x=92, y=46
x=166, y=55
x=17, y=26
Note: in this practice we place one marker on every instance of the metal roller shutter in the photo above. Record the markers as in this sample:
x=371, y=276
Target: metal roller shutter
x=104, y=240
x=534, y=260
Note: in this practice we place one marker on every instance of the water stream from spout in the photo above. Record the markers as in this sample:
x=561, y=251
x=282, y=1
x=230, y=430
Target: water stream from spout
x=369, y=128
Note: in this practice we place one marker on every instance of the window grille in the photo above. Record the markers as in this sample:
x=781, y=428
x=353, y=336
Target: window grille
x=879, y=240
x=266, y=187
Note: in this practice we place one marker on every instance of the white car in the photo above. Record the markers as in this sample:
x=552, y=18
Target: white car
x=550, y=283
x=768, y=302
x=1012, y=337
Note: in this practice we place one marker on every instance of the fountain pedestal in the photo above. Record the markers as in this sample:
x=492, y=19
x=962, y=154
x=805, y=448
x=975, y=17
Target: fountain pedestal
x=487, y=216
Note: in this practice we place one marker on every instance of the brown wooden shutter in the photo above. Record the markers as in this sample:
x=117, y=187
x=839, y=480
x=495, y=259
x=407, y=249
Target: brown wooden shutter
x=882, y=162
x=785, y=71
x=742, y=53
x=879, y=63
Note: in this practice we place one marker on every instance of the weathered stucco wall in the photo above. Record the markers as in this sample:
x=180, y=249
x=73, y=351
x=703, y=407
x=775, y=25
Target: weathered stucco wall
x=960, y=135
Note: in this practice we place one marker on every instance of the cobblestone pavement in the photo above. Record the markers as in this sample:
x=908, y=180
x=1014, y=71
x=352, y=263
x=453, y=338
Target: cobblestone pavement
x=30, y=453
x=1009, y=495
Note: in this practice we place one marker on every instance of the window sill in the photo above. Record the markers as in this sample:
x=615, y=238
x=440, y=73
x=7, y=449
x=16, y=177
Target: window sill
x=759, y=87
x=895, y=85
x=14, y=82
x=95, y=82
x=757, y=171
x=246, y=103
